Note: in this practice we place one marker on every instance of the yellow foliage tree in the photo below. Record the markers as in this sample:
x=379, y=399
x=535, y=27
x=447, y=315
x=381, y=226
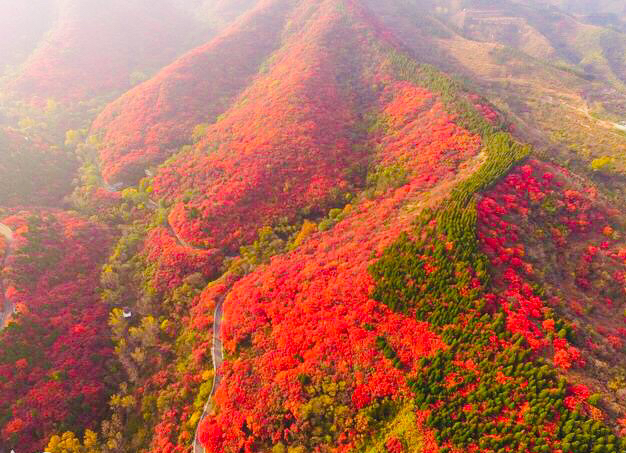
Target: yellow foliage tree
x=308, y=228
x=69, y=443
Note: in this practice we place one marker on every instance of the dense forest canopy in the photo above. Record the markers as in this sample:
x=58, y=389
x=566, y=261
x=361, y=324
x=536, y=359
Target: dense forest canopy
x=331, y=226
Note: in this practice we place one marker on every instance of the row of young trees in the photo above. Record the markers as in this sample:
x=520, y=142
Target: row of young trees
x=486, y=389
x=562, y=302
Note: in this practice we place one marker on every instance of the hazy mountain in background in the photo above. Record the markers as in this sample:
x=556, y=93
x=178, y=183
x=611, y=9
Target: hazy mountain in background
x=73, y=50
x=23, y=25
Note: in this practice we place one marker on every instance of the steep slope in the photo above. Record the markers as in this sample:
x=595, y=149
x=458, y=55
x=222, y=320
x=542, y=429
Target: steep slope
x=312, y=391
x=327, y=344
x=308, y=337
x=99, y=48
x=315, y=340
x=268, y=156
x=559, y=255
x=150, y=122
x=55, y=355
x=318, y=156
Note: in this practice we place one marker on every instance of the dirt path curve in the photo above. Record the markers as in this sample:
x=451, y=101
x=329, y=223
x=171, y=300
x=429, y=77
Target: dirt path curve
x=6, y=305
x=607, y=124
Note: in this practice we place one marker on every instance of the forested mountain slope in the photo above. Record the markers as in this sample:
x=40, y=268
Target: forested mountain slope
x=151, y=122
x=567, y=115
x=56, y=360
x=91, y=48
x=308, y=235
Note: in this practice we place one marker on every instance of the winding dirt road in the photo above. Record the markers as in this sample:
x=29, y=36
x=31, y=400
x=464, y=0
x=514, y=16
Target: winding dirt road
x=217, y=351
x=6, y=305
